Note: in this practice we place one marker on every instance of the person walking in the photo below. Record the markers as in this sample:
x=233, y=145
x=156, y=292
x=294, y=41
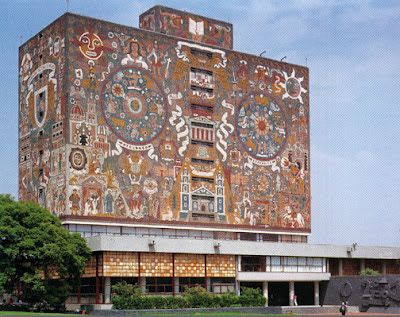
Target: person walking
x=343, y=308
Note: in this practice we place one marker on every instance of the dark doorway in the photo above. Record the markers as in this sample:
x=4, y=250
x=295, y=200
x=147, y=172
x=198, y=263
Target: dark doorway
x=278, y=294
x=304, y=292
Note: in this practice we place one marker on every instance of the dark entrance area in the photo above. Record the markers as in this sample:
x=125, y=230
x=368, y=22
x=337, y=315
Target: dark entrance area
x=278, y=294
x=304, y=292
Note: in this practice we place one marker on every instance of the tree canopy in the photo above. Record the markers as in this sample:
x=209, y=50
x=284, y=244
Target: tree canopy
x=37, y=254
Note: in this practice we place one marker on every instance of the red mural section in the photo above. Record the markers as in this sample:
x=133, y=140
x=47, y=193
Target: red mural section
x=162, y=129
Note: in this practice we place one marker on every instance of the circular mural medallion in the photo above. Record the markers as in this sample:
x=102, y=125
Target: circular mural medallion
x=77, y=158
x=293, y=87
x=133, y=105
x=261, y=127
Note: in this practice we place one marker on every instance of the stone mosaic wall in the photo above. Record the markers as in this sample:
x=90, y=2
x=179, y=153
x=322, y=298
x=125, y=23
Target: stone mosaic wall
x=156, y=264
x=189, y=265
x=42, y=125
x=162, y=130
x=221, y=265
x=126, y=264
x=120, y=264
x=187, y=25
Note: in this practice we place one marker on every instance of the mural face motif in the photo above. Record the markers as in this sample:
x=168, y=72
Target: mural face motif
x=261, y=127
x=90, y=45
x=133, y=105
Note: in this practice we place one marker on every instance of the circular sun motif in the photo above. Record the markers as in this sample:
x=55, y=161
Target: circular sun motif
x=261, y=127
x=293, y=86
x=133, y=105
x=117, y=90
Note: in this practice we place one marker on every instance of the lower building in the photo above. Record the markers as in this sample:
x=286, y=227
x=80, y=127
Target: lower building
x=165, y=261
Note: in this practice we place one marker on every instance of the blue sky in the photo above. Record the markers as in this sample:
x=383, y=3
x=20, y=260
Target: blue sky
x=353, y=51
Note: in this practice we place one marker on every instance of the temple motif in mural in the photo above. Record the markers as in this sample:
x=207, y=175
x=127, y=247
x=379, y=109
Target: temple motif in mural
x=125, y=123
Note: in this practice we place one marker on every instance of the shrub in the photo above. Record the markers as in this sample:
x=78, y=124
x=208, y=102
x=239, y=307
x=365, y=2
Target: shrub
x=370, y=272
x=126, y=296
x=130, y=297
x=198, y=297
x=229, y=300
x=251, y=297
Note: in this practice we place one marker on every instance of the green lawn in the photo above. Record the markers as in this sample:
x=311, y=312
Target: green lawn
x=222, y=314
x=18, y=313
x=200, y=314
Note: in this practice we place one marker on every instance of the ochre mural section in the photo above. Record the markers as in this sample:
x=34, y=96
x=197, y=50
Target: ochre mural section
x=90, y=267
x=189, y=265
x=126, y=264
x=120, y=264
x=221, y=265
x=156, y=264
x=164, y=130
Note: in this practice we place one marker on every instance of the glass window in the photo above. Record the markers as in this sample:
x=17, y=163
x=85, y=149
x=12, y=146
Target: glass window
x=142, y=232
x=207, y=235
x=128, y=230
x=275, y=260
x=114, y=230
x=195, y=234
x=169, y=233
x=83, y=228
x=155, y=232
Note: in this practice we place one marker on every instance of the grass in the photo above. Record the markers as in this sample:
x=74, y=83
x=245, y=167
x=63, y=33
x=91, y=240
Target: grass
x=222, y=314
x=200, y=314
x=23, y=313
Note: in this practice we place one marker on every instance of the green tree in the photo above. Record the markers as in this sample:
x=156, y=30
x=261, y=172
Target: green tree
x=34, y=249
x=370, y=272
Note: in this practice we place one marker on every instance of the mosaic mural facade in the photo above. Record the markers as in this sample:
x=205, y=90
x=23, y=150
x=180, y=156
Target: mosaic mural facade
x=187, y=25
x=125, y=123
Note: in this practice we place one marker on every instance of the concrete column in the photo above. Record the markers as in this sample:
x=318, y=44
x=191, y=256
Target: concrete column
x=291, y=293
x=383, y=267
x=265, y=291
x=176, y=285
x=316, y=293
x=237, y=287
x=107, y=290
x=142, y=284
x=362, y=265
x=340, y=265
x=239, y=263
x=208, y=284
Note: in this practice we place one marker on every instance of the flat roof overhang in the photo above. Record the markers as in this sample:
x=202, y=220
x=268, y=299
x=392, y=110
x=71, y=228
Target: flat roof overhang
x=237, y=247
x=282, y=276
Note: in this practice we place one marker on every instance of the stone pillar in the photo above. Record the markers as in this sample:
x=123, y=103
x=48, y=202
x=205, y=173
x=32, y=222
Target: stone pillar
x=265, y=292
x=340, y=265
x=291, y=293
x=237, y=287
x=362, y=265
x=176, y=285
x=316, y=293
x=384, y=267
x=142, y=284
x=208, y=284
x=107, y=290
